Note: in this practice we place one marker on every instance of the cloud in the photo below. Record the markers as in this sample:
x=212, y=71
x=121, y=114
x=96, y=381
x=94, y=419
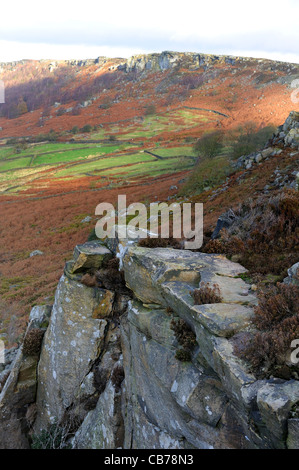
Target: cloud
x=13, y=51
x=131, y=27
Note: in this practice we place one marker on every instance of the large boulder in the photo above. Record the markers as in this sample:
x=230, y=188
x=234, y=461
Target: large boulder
x=147, y=269
x=293, y=275
x=90, y=255
x=167, y=277
x=110, y=366
x=72, y=343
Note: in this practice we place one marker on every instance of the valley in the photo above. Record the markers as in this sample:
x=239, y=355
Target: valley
x=73, y=134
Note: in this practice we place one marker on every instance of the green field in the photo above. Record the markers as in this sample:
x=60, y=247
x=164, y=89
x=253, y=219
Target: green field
x=69, y=160
x=174, y=151
x=52, y=154
x=10, y=152
x=120, y=159
x=150, y=126
x=21, y=162
x=105, y=163
x=153, y=168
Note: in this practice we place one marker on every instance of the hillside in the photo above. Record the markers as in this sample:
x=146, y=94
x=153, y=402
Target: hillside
x=118, y=343
x=75, y=133
x=49, y=94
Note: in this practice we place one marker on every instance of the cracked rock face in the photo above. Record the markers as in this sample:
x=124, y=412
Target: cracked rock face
x=72, y=343
x=19, y=391
x=103, y=427
x=192, y=401
x=109, y=364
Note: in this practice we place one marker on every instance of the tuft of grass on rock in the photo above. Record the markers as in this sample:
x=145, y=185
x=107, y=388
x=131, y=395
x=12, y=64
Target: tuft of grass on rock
x=185, y=337
x=183, y=355
x=206, y=294
x=33, y=342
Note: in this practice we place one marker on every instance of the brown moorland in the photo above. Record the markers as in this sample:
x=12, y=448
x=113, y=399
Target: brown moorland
x=47, y=215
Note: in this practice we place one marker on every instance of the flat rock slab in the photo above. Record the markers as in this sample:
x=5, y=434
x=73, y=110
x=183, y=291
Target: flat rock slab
x=147, y=268
x=220, y=319
x=90, y=255
x=232, y=290
x=167, y=277
x=223, y=319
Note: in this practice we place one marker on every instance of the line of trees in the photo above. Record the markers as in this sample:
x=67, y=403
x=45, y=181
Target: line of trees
x=243, y=140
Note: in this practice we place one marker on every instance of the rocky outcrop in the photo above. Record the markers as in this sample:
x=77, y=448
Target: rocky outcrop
x=224, y=221
x=9, y=356
x=288, y=133
x=73, y=341
x=247, y=161
x=193, y=404
x=17, y=399
x=109, y=370
x=286, y=138
x=81, y=353
x=293, y=275
x=166, y=60
x=190, y=60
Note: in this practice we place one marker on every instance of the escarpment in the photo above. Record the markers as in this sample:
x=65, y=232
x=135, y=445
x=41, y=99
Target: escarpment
x=109, y=373
x=157, y=62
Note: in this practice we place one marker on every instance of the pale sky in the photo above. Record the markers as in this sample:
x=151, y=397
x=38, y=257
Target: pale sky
x=72, y=29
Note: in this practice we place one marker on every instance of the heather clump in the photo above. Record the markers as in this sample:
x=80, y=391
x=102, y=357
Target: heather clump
x=160, y=242
x=264, y=235
x=186, y=339
x=111, y=277
x=33, y=342
x=108, y=277
x=276, y=322
x=206, y=294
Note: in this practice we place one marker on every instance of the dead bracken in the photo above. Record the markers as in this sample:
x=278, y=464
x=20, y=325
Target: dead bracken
x=206, y=294
x=277, y=324
x=108, y=277
x=185, y=337
x=33, y=342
